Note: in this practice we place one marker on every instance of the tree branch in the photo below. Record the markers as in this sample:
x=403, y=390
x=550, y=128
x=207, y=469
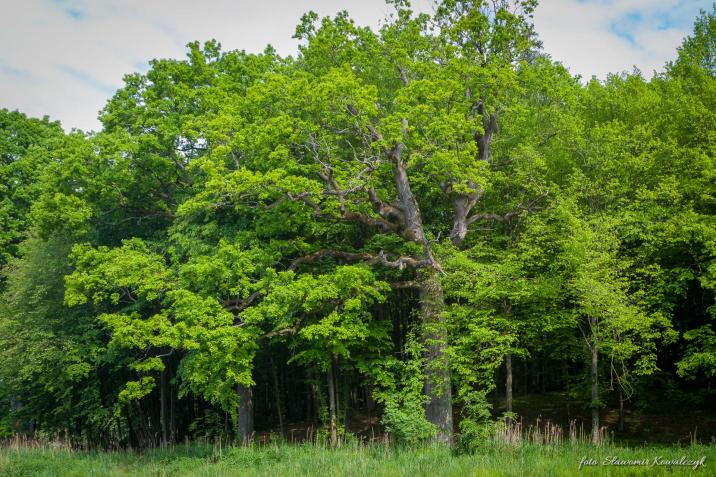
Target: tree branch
x=400, y=263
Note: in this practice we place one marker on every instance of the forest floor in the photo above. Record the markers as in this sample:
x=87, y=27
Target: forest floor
x=664, y=431
x=665, y=422
x=358, y=460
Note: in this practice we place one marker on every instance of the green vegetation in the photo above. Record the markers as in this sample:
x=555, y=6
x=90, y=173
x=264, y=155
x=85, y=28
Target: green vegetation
x=351, y=460
x=397, y=235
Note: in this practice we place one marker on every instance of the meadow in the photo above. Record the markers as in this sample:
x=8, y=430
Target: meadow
x=355, y=459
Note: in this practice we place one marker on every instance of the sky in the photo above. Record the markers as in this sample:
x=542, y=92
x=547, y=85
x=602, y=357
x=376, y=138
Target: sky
x=65, y=58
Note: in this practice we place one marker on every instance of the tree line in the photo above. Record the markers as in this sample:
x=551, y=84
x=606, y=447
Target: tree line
x=400, y=225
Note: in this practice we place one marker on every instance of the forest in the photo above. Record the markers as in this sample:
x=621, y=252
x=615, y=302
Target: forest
x=430, y=232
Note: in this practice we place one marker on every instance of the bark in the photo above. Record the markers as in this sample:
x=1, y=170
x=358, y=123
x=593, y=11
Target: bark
x=437, y=370
x=163, y=407
x=413, y=223
x=595, y=390
x=245, y=413
x=462, y=206
x=484, y=139
x=332, y=404
x=508, y=381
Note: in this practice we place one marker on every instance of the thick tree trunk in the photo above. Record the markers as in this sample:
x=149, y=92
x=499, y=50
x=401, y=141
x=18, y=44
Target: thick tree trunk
x=595, y=391
x=508, y=381
x=332, y=404
x=412, y=221
x=245, y=414
x=462, y=206
x=434, y=335
x=484, y=139
x=437, y=370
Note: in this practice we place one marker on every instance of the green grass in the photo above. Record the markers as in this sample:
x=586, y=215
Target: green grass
x=351, y=460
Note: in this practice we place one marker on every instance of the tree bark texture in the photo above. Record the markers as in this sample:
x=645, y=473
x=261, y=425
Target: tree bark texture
x=332, y=404
x=437, y=367
x=245, y=414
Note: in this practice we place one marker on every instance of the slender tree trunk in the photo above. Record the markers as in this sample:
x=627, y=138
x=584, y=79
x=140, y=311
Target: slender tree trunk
x=437, y=372
x=277, y=394
x=332, y=404
x=621, y=408
x=310, y=413
x=508, y=381
x=163, y=407
x=369, y=405
x=245, y=413
x=172, y=414
x=535, y=374
x=346, y=399
x=595, y=390
x=317, y=402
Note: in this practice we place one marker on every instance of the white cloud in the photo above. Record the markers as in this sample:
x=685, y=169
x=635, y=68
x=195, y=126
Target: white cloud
x=596, y=37
x=65, y=57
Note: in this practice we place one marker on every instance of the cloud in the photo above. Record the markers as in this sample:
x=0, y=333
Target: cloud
x=66, y=57
x=597, y=37
x=77, y=51
x=86, y=79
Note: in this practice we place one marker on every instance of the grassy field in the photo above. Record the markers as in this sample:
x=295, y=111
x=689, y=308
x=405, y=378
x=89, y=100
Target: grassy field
x=352, y=460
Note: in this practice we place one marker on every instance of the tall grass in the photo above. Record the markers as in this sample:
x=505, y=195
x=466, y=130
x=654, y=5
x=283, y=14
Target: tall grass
x=546, y=433
x=538, y=451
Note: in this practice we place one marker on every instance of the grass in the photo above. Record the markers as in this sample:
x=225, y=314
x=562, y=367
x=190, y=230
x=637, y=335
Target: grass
x=349, y=460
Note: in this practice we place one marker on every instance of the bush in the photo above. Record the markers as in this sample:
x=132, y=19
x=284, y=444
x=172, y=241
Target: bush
x=406, y=421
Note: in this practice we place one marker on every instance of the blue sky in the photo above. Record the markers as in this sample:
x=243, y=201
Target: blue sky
x=66, y=57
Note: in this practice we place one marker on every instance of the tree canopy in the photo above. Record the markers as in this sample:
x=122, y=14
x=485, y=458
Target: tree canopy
x=386, y=222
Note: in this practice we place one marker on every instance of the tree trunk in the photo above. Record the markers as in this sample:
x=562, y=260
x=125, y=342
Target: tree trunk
x=508, y=381
x=245, y=414
x=535, y=374
x=437, y=370
x=317, y=401
x=172, y=414
x=163, y=407
x=621, y=409
x=595, y=391
x=346, y=399
x=462, y=205
x=332, y=405
x=434, y=334
x=277, y=394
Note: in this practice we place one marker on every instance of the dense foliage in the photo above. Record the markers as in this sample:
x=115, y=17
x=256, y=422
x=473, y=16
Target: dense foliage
x=394, y=223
